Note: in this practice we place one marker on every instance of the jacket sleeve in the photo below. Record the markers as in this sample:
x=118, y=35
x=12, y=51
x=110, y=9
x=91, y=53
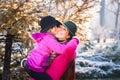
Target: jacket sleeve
x=57, y=47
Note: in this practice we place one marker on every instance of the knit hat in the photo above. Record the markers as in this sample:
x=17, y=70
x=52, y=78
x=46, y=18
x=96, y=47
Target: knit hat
x=48, y=22
x=71, y=26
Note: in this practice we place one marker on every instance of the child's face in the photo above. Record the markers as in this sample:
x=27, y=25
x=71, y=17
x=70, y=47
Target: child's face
x=53, y=30
x=62, y=33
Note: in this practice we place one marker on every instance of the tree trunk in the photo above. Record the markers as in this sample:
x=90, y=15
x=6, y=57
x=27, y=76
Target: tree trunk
x=102, y=13
x=7, y=57
x=117, y=29
x=70, y=72
x=102, y=17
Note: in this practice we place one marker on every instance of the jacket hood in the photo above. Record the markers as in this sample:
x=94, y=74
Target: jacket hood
x=38, y=36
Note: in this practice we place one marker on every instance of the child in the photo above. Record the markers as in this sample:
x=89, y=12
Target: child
x=46, y=42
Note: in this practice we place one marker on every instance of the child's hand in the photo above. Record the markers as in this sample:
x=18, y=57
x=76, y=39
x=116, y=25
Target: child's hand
x=76, y=37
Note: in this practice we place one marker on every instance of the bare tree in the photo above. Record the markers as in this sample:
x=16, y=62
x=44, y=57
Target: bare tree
x=117, y=13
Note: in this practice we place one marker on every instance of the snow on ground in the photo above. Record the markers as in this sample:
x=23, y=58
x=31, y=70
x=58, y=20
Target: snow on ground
x=93, y=64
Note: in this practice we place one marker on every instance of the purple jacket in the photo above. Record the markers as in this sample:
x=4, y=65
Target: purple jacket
x=45, y=43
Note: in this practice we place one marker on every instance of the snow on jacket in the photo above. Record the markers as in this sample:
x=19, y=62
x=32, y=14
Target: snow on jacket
x=45, y=43
x=60, y=63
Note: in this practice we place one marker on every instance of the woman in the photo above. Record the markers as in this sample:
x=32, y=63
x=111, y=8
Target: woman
x=62, y=62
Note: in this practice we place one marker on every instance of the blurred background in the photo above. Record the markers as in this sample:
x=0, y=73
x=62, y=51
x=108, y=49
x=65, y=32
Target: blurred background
x=98, y=54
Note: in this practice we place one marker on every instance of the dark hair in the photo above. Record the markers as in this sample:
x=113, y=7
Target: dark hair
x=58, y=24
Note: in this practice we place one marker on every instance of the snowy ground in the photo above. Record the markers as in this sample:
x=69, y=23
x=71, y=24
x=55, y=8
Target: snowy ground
x=92, y=64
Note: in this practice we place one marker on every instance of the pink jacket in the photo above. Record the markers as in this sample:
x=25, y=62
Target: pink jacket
x=45, y=43
x=60, y=63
